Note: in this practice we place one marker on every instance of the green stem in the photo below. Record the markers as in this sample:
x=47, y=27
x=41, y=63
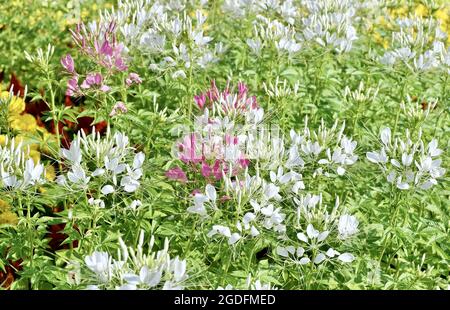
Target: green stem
x=402, y=96
x=191, y=236
x=391, y=226
x=54, y=116
x=30, y=233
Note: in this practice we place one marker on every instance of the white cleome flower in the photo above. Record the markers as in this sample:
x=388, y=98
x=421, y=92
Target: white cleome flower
x=348, y=226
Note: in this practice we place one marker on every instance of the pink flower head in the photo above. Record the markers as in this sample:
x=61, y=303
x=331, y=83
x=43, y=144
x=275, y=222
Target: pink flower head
x=244, y=162
x=72, y=87
x=94, y=79
x=177, y=174
x=229, y=101
x=106, y=49
x=253, y=102
x=226, y=91
x=105, y=88
x=217, y=170
x=100, y=45
x=91, y=80
x=133, y=78
x=120, y=63
x=119, y=107
x=68, y=63
x=188, y=149
x=213, y=93
x=242, y=89
x=206, y=170
x=200, y=100
x=231, y=140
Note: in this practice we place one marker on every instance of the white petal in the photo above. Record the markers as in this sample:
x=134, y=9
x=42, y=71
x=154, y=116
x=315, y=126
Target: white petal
x=373, y=157
x=346, y=257
x=254, y=232
x=234, y=238
x=386, y=136
x=138, y=160
x=312, y=233
x=282, y=251
x=323, y=235
x=98, y=171
x=248, y=217
x=304, y=260
x=290, y=249
x=319, y=258
x=255, y=205
x=273, y=176
x=267, y=211
x=286, y=178
x=131, y=278
x=298, y=185
x=107, y=189
x=302, y=237
x=211, y=192
x=330, y=252
x=340, y=171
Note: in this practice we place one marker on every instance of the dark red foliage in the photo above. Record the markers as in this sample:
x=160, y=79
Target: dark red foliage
x=57, y=237
x=17, y=86
x=8, y=276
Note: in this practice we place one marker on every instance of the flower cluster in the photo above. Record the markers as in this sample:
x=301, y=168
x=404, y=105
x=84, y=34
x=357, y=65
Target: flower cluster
x=419, y=44
x=330, y=24
x=134, y=269
x=254, y=194
x=24, y=125
x=16, y=171
x=273, y=33
x=243, y=8
x=328, y=149
x=167, y=36
x=408, y=164
x=218, y=143
x=108, y=163
x=255, y=201
x=319, y=232
x=99, y=43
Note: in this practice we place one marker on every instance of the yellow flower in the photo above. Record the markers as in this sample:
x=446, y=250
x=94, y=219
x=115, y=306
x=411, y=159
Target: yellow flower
x=50, y=173
x=421, y=10
x=35, y=156
x=24, y=122
x=17, y=104
x=2, y=140
x=4, y=206
x=6, y=215
x=28, y=144
x=380, y=40
x=400, y=12
x=442, y=15
x=382, y=21
x=84, y=13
